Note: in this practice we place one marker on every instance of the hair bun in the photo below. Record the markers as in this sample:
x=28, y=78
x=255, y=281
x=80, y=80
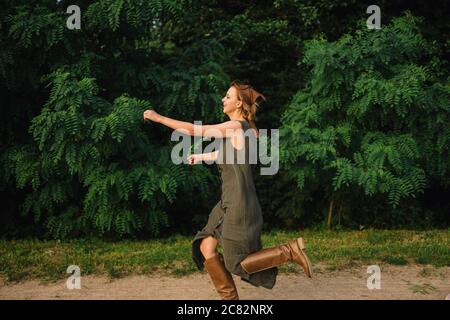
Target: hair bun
x=252, y=94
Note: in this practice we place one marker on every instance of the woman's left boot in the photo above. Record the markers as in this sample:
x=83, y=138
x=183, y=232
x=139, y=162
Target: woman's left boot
x=221, y=278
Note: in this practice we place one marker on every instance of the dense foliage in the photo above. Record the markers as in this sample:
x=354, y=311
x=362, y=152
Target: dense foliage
x=363, y=113
x=373, y=120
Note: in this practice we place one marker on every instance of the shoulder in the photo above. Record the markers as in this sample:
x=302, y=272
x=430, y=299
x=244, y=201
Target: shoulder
x=246, y=127
x=234, y=124
x=244, y=124
x=227, y=128
x=230, y=124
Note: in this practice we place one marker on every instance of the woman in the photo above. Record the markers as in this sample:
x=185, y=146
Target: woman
x=236, y=221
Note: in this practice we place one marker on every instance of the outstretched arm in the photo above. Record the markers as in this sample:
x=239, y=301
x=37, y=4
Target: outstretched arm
x=225, y=129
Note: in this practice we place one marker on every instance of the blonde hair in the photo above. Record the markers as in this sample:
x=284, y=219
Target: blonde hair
x=248, y=96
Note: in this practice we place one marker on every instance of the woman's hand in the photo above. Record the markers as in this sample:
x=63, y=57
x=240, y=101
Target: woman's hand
x=151, y=115
x=194, y=158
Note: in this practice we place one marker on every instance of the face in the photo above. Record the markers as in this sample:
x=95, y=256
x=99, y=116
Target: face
x=231, y=101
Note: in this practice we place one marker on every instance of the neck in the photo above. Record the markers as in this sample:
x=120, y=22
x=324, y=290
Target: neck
x=235, y=115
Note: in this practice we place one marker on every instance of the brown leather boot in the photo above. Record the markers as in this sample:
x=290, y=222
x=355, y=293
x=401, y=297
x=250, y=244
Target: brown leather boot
x=221, y=278
x=264, y=259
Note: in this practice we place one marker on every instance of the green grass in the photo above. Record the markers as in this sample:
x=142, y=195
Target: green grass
x=48, y=260
x=423, y=289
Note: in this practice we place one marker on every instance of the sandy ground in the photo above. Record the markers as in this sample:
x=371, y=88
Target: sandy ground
x=397, y=282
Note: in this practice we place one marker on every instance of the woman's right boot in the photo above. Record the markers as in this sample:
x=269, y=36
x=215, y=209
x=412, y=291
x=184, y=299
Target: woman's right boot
x=268, y=258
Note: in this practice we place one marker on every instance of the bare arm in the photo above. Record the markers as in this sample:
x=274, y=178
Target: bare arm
x=195, y=158
x=225, y=129
x=183, y=126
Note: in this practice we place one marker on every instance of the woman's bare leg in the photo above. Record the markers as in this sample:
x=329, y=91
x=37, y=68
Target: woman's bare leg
x=220, y=276
x=208, y=247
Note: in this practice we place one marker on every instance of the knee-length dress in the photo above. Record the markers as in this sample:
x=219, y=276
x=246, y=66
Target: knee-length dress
x=236, y=220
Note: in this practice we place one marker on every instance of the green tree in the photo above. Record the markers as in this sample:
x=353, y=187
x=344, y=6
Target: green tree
x=93, y=166
x=372, y=120
x=71, y=103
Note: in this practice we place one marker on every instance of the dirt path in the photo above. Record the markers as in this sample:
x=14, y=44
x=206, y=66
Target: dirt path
x=409, y=282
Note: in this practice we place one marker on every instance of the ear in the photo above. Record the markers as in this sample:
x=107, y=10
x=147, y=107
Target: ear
x=239, y=104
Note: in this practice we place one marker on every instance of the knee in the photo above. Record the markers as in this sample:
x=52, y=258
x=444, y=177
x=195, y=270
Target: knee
x=208, y=247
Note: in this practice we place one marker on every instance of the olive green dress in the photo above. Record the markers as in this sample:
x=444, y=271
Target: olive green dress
x=236, y=220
